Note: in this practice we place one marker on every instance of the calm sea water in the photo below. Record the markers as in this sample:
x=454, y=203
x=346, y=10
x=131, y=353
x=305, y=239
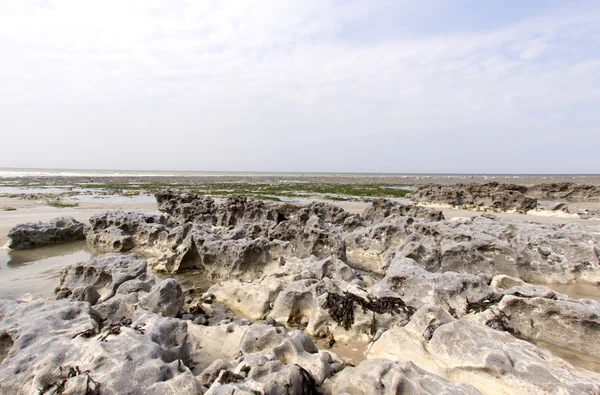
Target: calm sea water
x=20, y=172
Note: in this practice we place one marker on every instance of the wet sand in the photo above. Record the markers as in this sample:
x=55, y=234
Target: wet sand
x=71, y=177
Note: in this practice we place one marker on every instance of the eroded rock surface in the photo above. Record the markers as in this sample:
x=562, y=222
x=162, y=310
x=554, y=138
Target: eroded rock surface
x=244, y=239
x=55, y=348
x=569, y=191
x=492, y=195
x=438, y=307
x=40, y=234
x=493, y=361
x=377, y=376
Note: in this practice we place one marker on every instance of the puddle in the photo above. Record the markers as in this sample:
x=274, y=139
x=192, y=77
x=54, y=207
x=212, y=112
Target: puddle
x=574, y=358
x=351, y=353
x=579, y=290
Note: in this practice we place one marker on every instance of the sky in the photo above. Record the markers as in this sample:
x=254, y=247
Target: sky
x=434, y=86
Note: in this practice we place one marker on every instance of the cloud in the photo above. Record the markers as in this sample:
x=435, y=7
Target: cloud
x=234, y=83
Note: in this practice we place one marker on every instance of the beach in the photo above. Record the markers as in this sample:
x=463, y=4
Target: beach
x=319, y=263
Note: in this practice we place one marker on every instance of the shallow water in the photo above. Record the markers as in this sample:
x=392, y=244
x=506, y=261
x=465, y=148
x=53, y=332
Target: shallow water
x=579, y=290
x=114, y=199
x=37, y=271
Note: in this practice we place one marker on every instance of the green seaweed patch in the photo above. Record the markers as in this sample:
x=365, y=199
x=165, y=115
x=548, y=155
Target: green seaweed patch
x=9, y=209
x=337, y=192
x=61, y=204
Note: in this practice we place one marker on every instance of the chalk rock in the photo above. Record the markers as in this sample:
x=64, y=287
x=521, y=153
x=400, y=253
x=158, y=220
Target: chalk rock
x=166, y=298
x=271, y=360
x=186, y=207
x=252, y=300
x=381, y=376
x=121, y=231
x=39, y=234
x=104, y=274
x=569, y=191
x=492, y=195
x=455, y=292
x=51, y=344
x=492, y=361
x=382, y=208
x=564, y=323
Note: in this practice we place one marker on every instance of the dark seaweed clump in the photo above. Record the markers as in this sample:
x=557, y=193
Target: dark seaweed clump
x=308, y=386
x=341, y=307
x=482, y=305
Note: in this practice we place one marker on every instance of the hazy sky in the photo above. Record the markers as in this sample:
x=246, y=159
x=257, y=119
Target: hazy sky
x=301, y=85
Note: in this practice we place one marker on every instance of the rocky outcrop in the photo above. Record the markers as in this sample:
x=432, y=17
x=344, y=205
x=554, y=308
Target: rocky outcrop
x=383, y=208
x=442, y=309
x=271, y=361
x=99, y=279
x=122, y=231
x=489, y=246
x=457, y=293
x=244, y=239
x=563, y=323
x=166, y=298
x=40, y=234
x=568, y=191
x=493, y=361
x=491, y=196
x=377, y=376
x=60, y=346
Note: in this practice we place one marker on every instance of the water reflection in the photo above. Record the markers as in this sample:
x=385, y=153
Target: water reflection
x=37, y=271
x=13, y=259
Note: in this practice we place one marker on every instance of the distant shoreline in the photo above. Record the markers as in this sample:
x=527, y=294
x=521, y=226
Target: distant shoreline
x=40, y=172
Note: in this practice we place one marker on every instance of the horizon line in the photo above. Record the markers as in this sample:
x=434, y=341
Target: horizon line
x=298, y=172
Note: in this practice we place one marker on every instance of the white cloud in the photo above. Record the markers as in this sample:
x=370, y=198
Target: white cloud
x=218, y=73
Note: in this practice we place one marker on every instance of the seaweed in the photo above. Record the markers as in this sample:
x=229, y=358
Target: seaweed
x=341, y=307
x=229, y=377
x=92, y=387
x=87, y=333
x=500, y=323
x=114, y=328
x=308, y=385
x=482, y=305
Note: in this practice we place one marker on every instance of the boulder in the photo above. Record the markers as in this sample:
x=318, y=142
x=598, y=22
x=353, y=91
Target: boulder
x=166, y=298
x=40, y=234
x=99, y=278
x=122, y=231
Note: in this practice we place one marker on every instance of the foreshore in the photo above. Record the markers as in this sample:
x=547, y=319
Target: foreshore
x=236, y=286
